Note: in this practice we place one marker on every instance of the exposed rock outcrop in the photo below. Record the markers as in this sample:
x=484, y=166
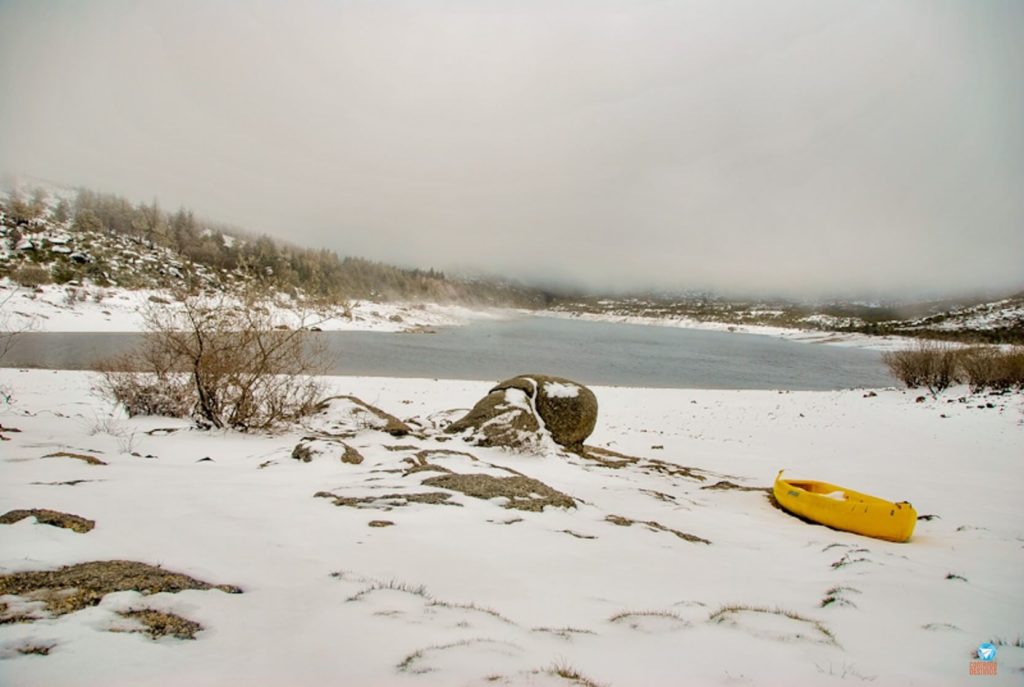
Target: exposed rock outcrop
x=311, y=447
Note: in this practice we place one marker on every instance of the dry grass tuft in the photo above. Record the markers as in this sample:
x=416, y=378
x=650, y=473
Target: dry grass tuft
x=409, y=663
x=568, y=672
x=563, y=632
x=836, y=596
x=84, y=457
x=625, y=615
x=724, y=614
x=392, y=585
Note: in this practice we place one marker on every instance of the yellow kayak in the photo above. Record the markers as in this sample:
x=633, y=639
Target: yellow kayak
x=845, y=509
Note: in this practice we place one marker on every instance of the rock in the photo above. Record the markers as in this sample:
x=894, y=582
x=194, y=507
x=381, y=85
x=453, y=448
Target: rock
x=347, y=415
x=45, y=516
x=521, y=492
x=311, y=447
x=514, y=413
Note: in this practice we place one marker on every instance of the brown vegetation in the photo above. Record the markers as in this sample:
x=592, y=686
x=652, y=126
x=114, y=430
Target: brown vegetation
x=220, y=360
x=936, y=366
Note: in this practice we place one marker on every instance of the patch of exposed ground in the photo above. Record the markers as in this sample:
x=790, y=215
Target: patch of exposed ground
x=665, y=498
x=310, y=446
x=49, y=517
x=34, y=649
x=69, y=483
x=523, y=493
x=726, y=485
x=75, y=587
x=578, y=535
x=159, y=624
x=654, y=526
x=84, y=457
x=608, y=458
x=10, y=616
x=672, y=470
x=389, y=501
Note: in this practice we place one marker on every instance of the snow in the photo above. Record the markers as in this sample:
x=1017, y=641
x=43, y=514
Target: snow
x=78, y=308
x=560, y=390
x=477, y=594
x=854, y=340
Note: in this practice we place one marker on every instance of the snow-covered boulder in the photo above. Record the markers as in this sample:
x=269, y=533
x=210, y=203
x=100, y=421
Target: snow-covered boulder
x=344, y=416
x=518, y=411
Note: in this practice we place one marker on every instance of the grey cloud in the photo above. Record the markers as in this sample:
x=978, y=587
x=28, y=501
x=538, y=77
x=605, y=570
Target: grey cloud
x=799, y=147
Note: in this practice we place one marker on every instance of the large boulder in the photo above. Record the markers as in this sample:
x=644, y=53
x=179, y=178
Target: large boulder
x=517, y=411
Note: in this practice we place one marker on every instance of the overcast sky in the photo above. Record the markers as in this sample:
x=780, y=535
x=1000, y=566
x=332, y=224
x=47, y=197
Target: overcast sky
x=801, y=147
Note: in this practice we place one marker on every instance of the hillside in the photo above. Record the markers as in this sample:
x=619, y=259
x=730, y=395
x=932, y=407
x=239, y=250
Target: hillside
x=62, y=236
x=59, y=235
x=998, y=321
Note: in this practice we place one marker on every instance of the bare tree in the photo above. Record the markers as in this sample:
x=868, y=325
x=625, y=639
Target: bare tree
x=9, y=331
x=224, y=360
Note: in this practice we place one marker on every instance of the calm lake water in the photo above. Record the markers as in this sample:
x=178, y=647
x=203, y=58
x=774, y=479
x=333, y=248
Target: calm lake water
x=588, y=352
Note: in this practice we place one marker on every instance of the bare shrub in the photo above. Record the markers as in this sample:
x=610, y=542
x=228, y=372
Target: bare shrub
x=31, y=276
x=929, y=364
x=220, y=360
x=992, y=368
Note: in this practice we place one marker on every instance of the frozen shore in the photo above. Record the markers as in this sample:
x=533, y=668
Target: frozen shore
x=864, y=341
x=53, y=308
x=469, y=592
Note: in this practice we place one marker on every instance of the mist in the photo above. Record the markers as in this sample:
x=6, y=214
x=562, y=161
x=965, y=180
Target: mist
x=798, y=148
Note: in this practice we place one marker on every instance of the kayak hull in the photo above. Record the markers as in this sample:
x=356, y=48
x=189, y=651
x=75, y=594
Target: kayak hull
x=845, y=509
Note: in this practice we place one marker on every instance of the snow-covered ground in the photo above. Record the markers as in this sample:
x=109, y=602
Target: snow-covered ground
x=472, y=593
x=64, y=308
x=864, y=341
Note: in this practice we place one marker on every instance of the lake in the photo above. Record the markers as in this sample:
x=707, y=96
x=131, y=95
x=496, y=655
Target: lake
x=589, y=352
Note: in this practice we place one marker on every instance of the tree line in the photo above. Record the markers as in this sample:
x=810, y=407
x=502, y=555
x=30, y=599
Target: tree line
x=278, y=264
